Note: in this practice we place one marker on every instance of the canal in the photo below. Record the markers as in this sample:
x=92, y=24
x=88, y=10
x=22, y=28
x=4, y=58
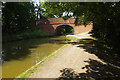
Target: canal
x=18, y=56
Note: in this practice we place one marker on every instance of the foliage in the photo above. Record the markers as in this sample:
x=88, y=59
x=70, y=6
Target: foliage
x=39, y=11
x=17, y=16
x=51, y=12
x=34, y=33
x=28, y=34
x=64, y=30
x=67, y=30
x=104, y=15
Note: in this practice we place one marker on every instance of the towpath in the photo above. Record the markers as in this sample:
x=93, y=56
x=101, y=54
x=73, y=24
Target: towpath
x=79, y=56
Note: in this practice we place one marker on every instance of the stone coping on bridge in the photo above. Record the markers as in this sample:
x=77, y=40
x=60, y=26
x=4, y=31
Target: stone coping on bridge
x=56, y=21
x=49, y=25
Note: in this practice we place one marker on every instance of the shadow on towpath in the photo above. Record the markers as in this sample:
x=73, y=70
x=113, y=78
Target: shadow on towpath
x=95, y=70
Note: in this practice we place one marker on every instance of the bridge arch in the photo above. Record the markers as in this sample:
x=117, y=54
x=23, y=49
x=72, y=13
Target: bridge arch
x=50, y=25
x=64, y=29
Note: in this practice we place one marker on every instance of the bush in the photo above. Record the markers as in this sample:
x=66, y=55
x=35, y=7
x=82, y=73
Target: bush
x=28, y=34
x=34, y=33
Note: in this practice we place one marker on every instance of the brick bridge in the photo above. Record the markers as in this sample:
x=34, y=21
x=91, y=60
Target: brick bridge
x=49, y=25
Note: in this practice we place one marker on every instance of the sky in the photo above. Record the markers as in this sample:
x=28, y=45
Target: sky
x=37, y=2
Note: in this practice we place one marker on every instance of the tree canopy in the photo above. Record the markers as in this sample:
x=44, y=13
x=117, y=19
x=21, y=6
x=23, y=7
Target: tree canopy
x=104, y=15
x=17, y=16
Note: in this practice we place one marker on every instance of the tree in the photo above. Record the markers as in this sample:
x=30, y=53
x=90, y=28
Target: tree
x=105, y=17
x=17, y=16
x=50, y=11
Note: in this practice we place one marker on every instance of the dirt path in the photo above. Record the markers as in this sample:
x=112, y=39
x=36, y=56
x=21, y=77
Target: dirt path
x=73, y=57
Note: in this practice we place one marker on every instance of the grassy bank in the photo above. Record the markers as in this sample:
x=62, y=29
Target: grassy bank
x=34, y=68
x=28, y=34
x=27, y=73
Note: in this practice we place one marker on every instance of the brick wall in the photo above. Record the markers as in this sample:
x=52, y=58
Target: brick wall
x=49, y=25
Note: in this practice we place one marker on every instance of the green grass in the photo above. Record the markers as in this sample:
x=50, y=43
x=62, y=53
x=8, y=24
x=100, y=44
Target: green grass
x=34, y=68
x=28, y=34
x=27, y=73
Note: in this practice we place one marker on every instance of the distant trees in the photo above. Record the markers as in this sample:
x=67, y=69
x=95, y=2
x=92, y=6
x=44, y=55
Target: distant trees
x=16, y=16
x=104, y=15
x=64, y=30
x=51, y=12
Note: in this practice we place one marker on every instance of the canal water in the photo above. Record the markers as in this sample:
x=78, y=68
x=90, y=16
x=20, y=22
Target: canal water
x=18, y=56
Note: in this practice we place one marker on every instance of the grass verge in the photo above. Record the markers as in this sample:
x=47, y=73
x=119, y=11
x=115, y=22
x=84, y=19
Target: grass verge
x=34, y=68
x=28, y=34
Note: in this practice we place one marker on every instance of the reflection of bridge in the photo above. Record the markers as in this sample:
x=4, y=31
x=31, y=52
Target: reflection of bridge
x=51, y=24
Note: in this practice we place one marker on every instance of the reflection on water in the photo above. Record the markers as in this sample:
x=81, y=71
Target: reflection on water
x=18, y=56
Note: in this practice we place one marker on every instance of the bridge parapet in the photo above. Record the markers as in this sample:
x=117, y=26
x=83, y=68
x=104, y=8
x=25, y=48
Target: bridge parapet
x=49, y=25
x=56, y=21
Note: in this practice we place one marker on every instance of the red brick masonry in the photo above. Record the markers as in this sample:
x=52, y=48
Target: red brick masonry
x=49, y=25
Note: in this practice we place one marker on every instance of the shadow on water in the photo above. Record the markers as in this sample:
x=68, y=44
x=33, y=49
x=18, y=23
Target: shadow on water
x=18, y=49
x=95, y=70
x=21, y=55
x=21, y=49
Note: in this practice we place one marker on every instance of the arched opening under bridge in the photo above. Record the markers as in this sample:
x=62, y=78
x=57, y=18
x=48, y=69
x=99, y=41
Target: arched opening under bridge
x=64, y=29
